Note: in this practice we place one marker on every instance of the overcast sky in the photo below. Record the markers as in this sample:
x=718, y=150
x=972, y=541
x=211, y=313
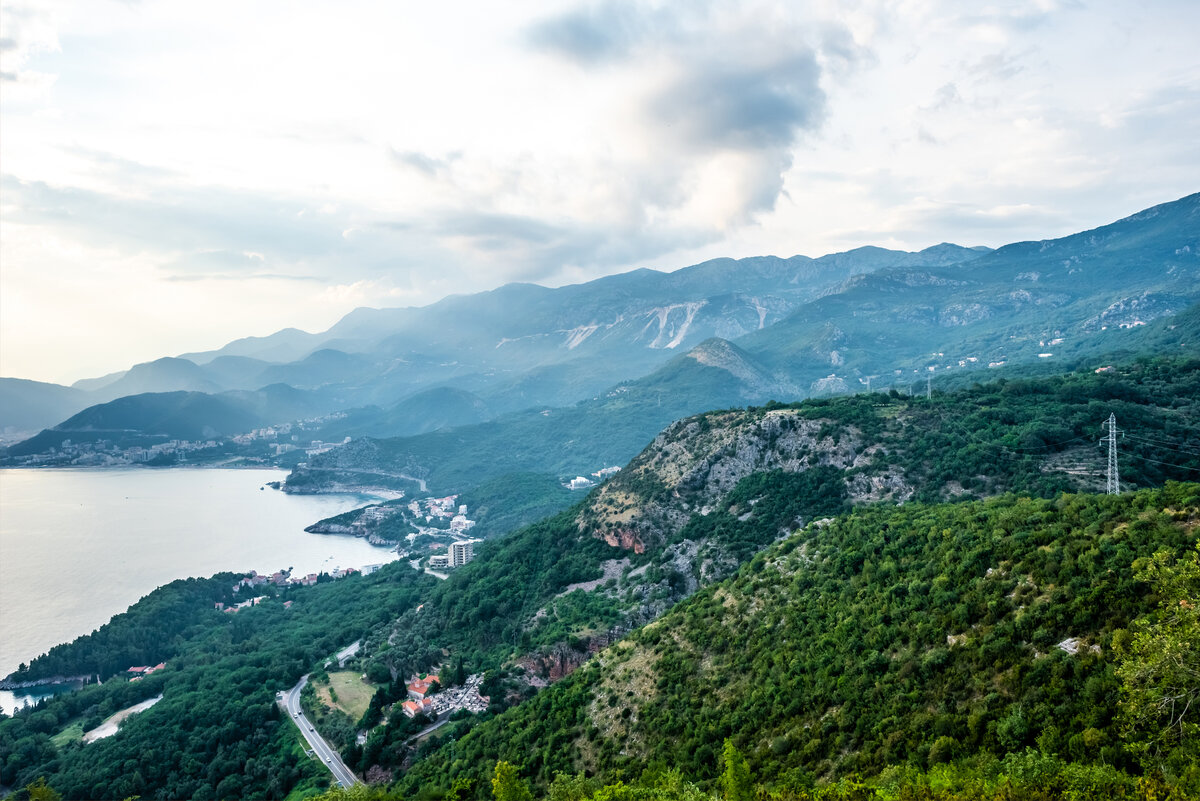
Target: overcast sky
x=177, y=175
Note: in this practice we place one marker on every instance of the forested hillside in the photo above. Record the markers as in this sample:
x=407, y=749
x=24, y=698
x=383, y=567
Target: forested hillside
x=217, y=732
x=915, y=635
x=712, y=490
x=927, y=632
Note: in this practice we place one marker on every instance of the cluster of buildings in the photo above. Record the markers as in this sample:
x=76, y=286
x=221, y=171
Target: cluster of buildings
x=582, y=482
x=376, y=514
x=270, y=432
x=105, y=453
x=286, y=431
x=284, y=578
x=276, y=440
x=442, y=509
x=317, y=446
x=439, y=511
x=221, y=606
x=420, y=701
x=139, y=672
x=459, y=554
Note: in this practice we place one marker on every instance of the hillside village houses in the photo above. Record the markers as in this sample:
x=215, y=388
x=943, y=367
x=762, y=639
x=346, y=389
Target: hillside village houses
x=284, y=578
x=429, y=508
x=271, y=440
x=375, y=514
x=420, y=701
x=140, y=671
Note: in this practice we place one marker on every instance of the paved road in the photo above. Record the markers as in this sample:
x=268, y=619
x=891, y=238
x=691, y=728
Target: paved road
x=347, y=652
x=324, y=752
x=432, y=727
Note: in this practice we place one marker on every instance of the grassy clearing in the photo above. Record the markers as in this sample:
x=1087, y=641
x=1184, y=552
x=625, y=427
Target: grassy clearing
x=71, y=734
x=352, y=693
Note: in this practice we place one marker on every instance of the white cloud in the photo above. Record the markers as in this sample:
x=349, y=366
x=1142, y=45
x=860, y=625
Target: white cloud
x=249, y=157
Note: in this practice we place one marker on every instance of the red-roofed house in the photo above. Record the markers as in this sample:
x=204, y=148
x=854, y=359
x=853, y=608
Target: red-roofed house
x=419, y=688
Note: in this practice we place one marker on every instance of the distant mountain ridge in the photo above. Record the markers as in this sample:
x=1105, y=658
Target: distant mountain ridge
x=808, y=326
x=520, y=344
x=170, y=415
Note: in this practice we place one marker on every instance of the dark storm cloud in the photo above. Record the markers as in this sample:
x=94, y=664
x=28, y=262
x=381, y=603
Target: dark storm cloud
x=720, y=81
x=598, y=33
x=734, y=107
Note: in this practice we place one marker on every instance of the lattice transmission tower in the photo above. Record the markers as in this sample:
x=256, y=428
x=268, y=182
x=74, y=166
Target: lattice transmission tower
x=1114, y=476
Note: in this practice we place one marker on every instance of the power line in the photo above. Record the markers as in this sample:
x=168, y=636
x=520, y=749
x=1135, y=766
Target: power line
x=1049, y=445
x=1169, y=446
x=1165, y=464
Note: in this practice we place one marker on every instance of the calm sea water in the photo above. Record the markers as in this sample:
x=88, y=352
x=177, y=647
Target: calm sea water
x=78, y=546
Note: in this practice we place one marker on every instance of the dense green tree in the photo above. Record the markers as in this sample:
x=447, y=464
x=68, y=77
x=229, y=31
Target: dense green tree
x=40, y=791
x=735, y=774
x=1160, y=667
x=507, y=784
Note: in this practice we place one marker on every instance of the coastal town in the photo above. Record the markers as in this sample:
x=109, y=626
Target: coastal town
x=431, y=532
x=281, y=444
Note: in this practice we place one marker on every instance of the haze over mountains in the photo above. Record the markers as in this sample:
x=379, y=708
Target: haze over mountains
x=798, y=327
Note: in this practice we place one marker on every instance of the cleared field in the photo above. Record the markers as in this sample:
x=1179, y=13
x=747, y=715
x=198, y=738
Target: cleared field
x=68, y=735
x=352, y=693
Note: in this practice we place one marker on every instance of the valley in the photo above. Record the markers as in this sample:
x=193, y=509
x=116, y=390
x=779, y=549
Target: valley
x=857, y=529
x=681, y=575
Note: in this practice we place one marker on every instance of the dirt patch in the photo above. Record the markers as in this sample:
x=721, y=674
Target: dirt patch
x=613, y=568
x=109, y=727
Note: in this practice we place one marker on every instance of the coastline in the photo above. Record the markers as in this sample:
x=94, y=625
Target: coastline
x=7, y=683
x=161, y=525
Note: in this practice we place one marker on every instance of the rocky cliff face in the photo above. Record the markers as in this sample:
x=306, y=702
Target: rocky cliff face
x=693, y=464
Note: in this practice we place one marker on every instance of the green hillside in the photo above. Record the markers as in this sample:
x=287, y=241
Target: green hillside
x=579, y=439
x=139, y=419
x=218, y=732
x=891, y=636
x=822, y=656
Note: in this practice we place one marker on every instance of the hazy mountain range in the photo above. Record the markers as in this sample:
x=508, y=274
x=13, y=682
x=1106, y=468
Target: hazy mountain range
x=774, y=328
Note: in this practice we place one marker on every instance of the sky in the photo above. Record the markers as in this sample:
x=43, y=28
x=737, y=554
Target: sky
x=174, y=176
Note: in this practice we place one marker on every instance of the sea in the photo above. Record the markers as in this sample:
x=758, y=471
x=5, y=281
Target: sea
x=79, y=546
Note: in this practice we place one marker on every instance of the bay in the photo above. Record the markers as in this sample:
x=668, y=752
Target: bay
x=79, y=546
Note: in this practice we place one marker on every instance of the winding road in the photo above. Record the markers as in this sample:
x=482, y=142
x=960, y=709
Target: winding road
x=324, y=752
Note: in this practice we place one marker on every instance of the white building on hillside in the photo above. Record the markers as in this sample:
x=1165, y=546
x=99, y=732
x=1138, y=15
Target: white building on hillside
x=462, y=552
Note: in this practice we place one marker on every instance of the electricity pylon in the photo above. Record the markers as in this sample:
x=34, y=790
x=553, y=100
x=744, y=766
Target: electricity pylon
x=1114, y=477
